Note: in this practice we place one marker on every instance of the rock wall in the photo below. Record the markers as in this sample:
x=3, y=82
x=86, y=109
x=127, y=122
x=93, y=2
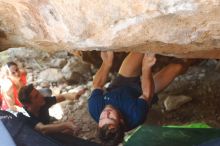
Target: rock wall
x=181, y=28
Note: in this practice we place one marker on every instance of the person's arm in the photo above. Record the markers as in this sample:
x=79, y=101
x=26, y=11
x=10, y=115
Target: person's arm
x=70, y=96
x=55, y=127
x=102, y=74
x=147, y=82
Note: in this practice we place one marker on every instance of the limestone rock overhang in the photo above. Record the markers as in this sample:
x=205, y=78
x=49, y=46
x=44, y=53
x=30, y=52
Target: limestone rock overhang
x=180, y=28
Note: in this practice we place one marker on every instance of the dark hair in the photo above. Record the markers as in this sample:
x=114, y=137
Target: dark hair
x=24, y=94
x=111, y=137
x=11, y=63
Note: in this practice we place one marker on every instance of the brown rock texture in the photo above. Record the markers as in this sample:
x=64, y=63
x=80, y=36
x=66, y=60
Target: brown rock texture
x=181, y=28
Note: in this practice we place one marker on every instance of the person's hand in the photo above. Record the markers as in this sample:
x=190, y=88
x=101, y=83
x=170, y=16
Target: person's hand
x=70, y=128
x=69, y=125
x=149, y=60
x=107, y=57
x=79, y=93
x=14, y=108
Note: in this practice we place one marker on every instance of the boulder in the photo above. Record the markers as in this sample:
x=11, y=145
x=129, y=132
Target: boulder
x=181, y=28
x=76, y=70
x=51, y=75
x=174, y=102
x=26, y=53
x=58, y=62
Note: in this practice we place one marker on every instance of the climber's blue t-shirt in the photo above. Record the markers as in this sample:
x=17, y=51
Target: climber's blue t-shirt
x=125, y=99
